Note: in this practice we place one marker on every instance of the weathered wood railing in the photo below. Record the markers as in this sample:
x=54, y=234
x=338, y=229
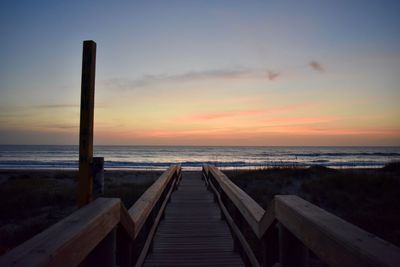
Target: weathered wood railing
x=291, y=228
x=102, y=233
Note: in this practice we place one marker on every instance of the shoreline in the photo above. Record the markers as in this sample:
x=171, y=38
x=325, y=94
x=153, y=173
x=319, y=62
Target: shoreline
x=156, y=158
x=185, y=168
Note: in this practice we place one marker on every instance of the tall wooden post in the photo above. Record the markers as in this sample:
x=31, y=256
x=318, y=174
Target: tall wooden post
x=86, y=123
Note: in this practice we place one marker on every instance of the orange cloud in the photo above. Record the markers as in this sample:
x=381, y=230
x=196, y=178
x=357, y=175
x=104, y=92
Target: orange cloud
x=297, y=121
x=209, y=116
x=226, y=114
x=276, y=135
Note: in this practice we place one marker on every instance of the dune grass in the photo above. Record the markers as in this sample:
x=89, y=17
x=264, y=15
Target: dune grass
x=127, y=192
x=32, y=201
x=368, y=198
x=29, y=205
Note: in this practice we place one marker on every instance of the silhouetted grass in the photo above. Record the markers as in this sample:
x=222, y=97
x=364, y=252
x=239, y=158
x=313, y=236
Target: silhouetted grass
x=21, y=197
x=367, y=198
x=31, y=201
x=393, y=166
x=29, y=205
x=128, y=192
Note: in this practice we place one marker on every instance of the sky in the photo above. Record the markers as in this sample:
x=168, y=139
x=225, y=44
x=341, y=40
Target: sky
x=268, y=73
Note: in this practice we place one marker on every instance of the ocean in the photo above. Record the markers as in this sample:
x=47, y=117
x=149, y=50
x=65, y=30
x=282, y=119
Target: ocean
x=192, y=157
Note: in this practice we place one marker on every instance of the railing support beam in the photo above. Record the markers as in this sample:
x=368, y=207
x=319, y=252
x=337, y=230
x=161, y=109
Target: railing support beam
x=105, y=252
x=269, y=246
x=292, y=251
x=124, y=248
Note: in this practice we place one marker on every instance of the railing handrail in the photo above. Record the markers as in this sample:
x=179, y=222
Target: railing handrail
x=248, y=207
x=344, y=243
x=335, y=241
x=71, y=240
x=141, y=209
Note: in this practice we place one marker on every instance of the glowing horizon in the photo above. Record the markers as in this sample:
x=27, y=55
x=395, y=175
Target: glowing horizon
x=247, y=75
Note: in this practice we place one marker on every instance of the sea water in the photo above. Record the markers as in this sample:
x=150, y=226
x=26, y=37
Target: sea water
x=192, y=157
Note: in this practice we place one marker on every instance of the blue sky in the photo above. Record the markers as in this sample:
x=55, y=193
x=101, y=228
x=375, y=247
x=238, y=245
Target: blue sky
x=341, y=57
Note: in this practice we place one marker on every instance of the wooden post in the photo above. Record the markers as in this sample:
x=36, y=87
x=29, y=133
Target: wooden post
x=86, y=123
x=292, y=251
x=98, y=176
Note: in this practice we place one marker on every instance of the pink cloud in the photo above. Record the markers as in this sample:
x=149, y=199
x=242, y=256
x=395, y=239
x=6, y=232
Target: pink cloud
x=209, y=116
x=316, y=66
x=299, y=121
x=256, y=135
x=271, y=75
x=226, y=114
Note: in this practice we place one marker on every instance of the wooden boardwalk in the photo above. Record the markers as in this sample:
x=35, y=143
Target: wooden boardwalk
x=192, y=232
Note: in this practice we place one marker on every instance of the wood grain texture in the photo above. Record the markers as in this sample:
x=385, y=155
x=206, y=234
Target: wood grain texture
x=251, y=210
x=141, y=209
x=127, y=223
x=86, y=123
x=192, y=232
x=69, y=241
x=236, y=230
x=154, y=227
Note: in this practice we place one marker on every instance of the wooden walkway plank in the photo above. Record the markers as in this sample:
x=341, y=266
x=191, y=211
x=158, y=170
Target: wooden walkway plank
x=192, y=232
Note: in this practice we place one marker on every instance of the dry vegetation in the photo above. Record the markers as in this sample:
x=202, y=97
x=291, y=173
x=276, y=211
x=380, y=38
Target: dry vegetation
x=369, y=198
x=31, y=201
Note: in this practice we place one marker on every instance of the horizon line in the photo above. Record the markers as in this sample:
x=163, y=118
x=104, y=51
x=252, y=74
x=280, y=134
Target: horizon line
x=149, y=145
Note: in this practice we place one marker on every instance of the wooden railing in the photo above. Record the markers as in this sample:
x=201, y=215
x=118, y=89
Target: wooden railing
x=102, y=233
x=292, y=229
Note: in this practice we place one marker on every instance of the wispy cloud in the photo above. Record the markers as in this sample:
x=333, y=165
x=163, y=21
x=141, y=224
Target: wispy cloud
x=271, y=75
x=65, y=106
x=316, y=66
x=55, y=106
x=298, y=121
x=195, y=76
x=226, y=133
x=228, y=75
x=59, y=126
x=220, y=115
x=210, y=116
x=150, y=80
x=213, y=74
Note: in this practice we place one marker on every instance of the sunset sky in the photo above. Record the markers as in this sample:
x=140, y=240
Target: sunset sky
x=203, y=72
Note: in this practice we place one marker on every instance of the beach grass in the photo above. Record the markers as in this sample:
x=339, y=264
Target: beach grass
x=31, y=201
x=368, y=198
x=127, y=192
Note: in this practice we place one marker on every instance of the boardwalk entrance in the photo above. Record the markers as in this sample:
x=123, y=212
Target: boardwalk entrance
x=192, y=232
